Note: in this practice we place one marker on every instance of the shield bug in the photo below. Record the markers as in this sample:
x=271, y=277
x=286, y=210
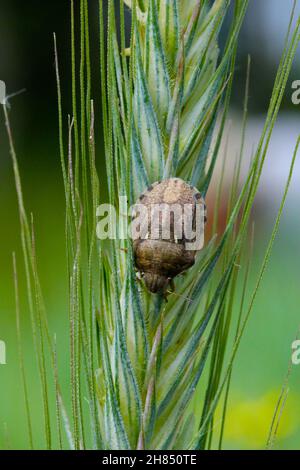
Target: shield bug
x=168, y=230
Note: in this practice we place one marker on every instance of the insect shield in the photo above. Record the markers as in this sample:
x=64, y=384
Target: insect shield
x=167, y=231
x=2, y=353
x=2, y=92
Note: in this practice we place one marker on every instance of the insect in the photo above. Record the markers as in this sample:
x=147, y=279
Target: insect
x=166, y=215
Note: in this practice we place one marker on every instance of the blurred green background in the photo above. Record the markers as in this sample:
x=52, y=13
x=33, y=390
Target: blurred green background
x=27, y=61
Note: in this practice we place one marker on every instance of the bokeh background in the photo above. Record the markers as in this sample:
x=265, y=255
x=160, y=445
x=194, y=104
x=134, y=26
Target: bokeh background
x=27, y=61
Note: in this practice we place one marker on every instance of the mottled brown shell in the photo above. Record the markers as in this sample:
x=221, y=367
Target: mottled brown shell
x=159, y=260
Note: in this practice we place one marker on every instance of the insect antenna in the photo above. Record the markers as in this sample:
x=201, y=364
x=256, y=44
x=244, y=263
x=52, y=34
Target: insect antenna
x=179, y=295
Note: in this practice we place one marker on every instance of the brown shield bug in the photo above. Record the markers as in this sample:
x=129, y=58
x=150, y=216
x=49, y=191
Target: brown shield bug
x=168, y=230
